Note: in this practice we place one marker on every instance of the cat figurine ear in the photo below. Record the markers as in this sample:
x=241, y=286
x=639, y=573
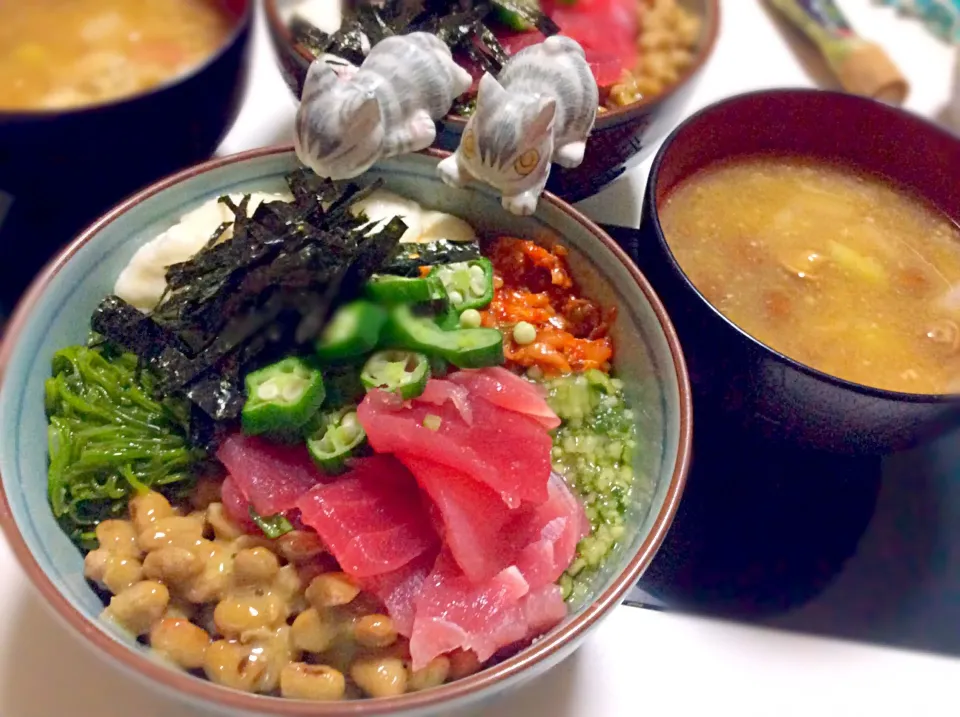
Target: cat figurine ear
x=540, y=109
x=542, y=122
x=366, y=116
x=489, y=91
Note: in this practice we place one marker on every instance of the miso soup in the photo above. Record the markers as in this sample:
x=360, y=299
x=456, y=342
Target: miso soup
x=838, y=270
x=57, y=54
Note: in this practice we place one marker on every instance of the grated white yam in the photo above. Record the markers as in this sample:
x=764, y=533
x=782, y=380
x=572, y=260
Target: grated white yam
x=142, y=282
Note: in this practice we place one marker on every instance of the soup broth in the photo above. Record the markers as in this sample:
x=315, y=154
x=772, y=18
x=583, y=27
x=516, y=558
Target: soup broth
x=57, y=54
x=836, y=269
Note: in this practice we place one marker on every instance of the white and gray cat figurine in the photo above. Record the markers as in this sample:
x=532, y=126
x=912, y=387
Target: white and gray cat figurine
x=541, y=110
x=386, y=108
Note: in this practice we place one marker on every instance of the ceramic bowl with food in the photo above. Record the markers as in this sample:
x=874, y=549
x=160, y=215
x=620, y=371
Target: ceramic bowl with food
x=645, y=76
x=812, y=265
x=275, y=555
x=123, y=92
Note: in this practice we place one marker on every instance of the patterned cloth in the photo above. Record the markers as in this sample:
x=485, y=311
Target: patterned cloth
x=942, y=17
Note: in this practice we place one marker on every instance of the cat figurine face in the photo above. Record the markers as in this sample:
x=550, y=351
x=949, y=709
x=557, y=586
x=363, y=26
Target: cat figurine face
x=345, y=139
x=541, y=110
x=508, y=141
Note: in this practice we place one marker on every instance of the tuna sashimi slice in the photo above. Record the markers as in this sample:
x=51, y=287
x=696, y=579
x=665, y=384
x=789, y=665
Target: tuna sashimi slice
x=399, y=590
x=606, y=29
x=439, y=391
x=452, y=612
x=236, y=505
x=271, y=476
x=544, y=609
x=506, y=389
x=507, y=451
x=371, y=518
x=473, y=518
x=484, y=536
x=555, y=529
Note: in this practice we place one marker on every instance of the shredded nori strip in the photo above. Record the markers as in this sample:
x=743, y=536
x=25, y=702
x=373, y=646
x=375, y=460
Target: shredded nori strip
x=239, y=303
x=411, y=257
x=144, y=337
x=464, y=26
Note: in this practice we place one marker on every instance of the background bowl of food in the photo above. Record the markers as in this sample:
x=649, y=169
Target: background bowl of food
x=100, y=97
x=646, y=55
x=223, y=513
x=806, y=244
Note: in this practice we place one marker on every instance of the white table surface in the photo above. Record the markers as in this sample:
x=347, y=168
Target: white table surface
x=639, y=660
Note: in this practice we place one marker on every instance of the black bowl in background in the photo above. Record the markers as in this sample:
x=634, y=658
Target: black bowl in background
x=765, y=390
x=61, y=169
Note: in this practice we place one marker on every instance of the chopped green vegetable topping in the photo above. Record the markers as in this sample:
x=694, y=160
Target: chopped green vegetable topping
x=594, y=451
x=389, y=289
x=470, y=319
x=338, y=438
x=402, y=372
x=273, y=526
x=464, y=348
x=524, y=333
x=282, y=397
x=468, y=284
x=110, y=438
x=513, y=20
x=352, y=331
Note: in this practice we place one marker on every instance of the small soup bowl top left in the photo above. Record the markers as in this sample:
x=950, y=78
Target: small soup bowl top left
x=63, y=167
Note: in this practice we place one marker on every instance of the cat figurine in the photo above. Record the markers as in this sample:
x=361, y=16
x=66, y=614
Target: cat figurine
x=348, y=121
x=541, y=110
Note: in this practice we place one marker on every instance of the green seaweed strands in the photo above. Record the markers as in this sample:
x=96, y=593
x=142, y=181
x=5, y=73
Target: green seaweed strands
x=109, y=438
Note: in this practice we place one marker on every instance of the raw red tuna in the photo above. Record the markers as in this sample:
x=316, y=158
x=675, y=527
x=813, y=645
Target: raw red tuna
x=400, y=588
x=507, y=390
x=371, y=518
x=505, y=450
x=484, y=536
x=270, y=475
x=473, y=518
x=544, y=608
x=606, y=29
x=236, y=505
x=439, y=392
x=553, y=532
x=453, y=612
x=514, y=41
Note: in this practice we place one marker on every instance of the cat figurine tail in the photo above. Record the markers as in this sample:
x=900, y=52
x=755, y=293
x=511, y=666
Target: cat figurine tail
x=347, y=122
x=540, y=110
